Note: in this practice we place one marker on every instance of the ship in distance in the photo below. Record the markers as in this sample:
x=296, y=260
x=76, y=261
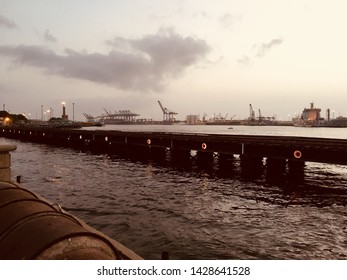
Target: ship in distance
x=311, y=117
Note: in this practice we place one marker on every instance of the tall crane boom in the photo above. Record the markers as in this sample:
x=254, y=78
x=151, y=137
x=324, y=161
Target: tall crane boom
x=251, y=112
x=168, y=116
x=107, y=112
x=162, y=108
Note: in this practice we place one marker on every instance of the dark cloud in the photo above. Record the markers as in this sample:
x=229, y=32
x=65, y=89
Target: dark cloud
x=48, y=37
x=169, y=52
x=7, y=22
x=145, y=64
x=262, y=49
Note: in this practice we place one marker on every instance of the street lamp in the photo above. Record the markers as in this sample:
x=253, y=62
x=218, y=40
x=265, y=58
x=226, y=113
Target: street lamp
x=73, y=112
x=7, y=121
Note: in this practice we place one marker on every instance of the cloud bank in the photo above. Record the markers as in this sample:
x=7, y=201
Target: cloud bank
x=145, y=64
x=7, y=22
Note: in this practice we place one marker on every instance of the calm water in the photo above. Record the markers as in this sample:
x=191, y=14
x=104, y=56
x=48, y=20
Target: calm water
x=195, y=213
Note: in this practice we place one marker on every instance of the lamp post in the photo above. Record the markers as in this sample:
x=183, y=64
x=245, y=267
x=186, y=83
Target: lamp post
x=7, y=121
x=73, y=112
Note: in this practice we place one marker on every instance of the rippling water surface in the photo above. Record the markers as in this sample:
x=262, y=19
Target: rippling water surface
x=195, y=213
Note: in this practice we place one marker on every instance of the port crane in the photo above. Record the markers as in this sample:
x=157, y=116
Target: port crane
x=107, y=112
x=168, y=116
x=121, y=116
x=260, y=115
x=204, y=117
x=89, y=118
x=251, y=113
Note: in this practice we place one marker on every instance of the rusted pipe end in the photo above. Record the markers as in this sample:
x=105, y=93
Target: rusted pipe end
x=7, y=148
x=5, y=162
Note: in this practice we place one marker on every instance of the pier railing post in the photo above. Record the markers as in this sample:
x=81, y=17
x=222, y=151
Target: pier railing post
x=5, y=162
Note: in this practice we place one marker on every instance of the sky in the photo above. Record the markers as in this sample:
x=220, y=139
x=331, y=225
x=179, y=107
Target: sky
x=195, y=56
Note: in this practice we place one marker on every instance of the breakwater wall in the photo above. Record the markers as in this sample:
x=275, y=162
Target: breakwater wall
x=293, y=149
x=278, y=158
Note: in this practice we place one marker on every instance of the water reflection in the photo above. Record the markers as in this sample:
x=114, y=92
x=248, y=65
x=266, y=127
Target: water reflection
x=192, y=211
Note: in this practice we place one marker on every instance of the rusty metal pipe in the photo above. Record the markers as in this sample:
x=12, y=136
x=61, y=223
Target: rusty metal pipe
x=31, y=228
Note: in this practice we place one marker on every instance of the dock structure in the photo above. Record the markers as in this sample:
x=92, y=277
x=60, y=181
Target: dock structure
x=279, y=152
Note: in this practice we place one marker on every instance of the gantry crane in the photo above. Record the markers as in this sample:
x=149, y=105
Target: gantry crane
x=89, y=118
x=251, y=113
x=168, y=116
x=107, y=112
x=260, y=115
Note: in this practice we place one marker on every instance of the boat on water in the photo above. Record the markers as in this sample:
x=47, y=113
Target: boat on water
x=311, y=117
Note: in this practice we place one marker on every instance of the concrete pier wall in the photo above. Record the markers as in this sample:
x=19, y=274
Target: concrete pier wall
x=178, y=148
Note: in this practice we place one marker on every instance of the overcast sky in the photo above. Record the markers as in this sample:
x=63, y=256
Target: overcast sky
x=195, y=56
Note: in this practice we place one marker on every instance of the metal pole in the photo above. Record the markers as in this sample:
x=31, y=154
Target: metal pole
x=73, y=112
